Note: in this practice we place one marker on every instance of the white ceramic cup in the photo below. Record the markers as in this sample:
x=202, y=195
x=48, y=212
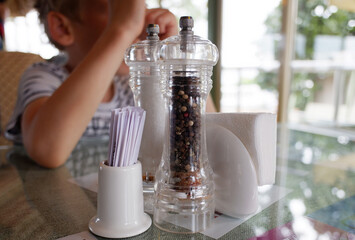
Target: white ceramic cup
x=120, y=207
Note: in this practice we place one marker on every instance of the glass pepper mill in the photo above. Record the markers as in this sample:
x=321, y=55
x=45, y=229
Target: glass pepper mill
x=184, y=188
x=142, y=60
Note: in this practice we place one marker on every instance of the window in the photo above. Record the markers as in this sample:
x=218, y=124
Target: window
x=322, y=84
x=25, y=34
x=248, y=57
x=323, y=79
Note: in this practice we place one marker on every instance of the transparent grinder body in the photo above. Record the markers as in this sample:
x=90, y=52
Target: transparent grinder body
x=142, y=59
x=184, y=188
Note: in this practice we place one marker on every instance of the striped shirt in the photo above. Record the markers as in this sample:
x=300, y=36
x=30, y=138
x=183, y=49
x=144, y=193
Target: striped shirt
x=42, y=79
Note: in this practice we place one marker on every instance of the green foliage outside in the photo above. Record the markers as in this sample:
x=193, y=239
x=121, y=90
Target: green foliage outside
x=315, y=17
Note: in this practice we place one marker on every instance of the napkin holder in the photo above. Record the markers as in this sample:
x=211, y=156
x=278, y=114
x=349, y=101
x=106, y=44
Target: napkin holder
x=242, y=152
x=120, y=210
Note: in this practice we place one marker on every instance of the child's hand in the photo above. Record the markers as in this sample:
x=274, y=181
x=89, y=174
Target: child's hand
x=127, y=15
x=164, y=18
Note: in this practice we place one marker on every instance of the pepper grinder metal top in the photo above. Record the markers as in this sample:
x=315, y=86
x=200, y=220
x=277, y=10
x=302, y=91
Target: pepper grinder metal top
x=186, y=24
x=153, y=31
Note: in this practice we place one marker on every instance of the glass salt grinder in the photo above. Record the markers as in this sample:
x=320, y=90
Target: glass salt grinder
x=184, y=187
x=142, y=60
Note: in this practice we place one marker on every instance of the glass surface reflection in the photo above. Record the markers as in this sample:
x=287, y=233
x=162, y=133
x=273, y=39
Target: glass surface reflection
x=321, y=172
x=87, y=156
x=314, y=188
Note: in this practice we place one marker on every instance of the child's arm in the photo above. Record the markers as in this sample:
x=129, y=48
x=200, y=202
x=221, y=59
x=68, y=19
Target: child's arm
x=53, y=125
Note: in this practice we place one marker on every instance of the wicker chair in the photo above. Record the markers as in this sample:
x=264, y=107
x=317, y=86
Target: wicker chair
x=12, y=65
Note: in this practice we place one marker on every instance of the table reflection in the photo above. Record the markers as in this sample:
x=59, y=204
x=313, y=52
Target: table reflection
x=315, y=189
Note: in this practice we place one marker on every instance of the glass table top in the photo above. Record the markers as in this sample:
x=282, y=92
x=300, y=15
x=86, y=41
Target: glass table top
x=316, y=174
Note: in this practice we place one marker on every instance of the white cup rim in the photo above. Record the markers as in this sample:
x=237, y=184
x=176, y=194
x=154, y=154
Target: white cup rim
x=104, y=165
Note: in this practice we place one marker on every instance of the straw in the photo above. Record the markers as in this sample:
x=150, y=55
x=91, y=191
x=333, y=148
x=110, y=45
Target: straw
x=126, y=132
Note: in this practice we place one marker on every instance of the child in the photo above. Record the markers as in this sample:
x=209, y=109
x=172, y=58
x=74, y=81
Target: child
x=59, y=103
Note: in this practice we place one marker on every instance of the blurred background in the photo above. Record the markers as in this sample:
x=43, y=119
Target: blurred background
x=295, y=58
